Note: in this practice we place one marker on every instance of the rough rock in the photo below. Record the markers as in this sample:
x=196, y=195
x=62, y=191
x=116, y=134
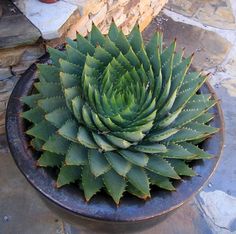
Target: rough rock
x=220, y=208
x=12, y=56
x=5, y=73
x=210, y=49
x=215, y=13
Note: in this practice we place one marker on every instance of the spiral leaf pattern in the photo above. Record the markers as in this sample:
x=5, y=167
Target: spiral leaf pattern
x=113, y=113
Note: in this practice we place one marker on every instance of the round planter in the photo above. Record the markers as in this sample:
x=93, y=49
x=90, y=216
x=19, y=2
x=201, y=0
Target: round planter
x=100, y=214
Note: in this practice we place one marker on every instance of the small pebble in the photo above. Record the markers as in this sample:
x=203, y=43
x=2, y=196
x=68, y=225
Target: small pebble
x=5, y=218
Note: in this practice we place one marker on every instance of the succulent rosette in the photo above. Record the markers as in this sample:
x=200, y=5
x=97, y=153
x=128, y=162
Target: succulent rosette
x=112, y=113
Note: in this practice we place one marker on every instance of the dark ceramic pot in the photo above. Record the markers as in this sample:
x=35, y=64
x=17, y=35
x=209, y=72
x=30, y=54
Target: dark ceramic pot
x=101, y=215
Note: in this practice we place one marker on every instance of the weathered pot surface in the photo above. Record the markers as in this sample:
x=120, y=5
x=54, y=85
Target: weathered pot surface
x=100, y=214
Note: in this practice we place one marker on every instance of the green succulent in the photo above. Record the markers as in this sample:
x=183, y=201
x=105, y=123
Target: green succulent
x=114, y=114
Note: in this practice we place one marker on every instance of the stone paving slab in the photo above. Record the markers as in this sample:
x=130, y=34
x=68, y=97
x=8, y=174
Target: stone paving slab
x=43, y=15
x=210, y=12
x=21, y=210
x=209, y=48
x=13, y=27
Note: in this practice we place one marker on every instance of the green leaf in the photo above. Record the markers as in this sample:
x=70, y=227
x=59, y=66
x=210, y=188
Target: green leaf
x=70, y=94
x=102, y=142
x=31, y=100
x=118, y=163
x=96, y=37
x=91, y=184
x=143, y=58
x=48, y=159
x=178, y=152
x=151, y=148
x=124, y=62
x=97, y=162
x=132, y=58
x=181, y=167
x=191, y=112
x=94, y=63
x=68, y=174
x=76, y=155
x=164, y=110
x=48, y=89
x=56, y=144
x=113, y=32
x=168, y=120
x=56, y=55
x=77, y=104
x=85, y=138
x=135, y=39
x=206, y=130
x=48, y=73
x=42, y=130
x=178, y=57
x=69, y=130
x=167, y=58
x=204, y=118
x=130, y=136
x=155, y=42
x=110, y=47
x=161, y=181
x=192, y=131
x=160, y=135
x=70, y=68
x=121, y=42
x=186, y=92
x=71, y=42
x=102, y=55
x=37, y=144
x=109, y=124
x=164, y=94
x=138, y=178
x=84, y=45
x=34, y=115
x=119, y=142
x=155, y=61
x=134, y=191
x=115, y=185
x=200, y=154
x=99, y=124
x=69, y=80
x=137, y=158
x=161, y=167
x=75, y=56
x=87, y=117
x=58, y=117
x=52, y=103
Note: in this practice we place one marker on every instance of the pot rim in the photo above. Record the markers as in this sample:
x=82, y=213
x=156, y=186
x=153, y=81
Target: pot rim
x=102, y=207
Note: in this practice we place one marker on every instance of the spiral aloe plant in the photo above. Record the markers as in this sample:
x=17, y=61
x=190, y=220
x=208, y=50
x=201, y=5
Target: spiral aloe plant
x=112, y=113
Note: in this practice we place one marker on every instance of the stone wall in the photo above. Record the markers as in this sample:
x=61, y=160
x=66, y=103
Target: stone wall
x=13, y=62
x=20, y=46
x=124, y=12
